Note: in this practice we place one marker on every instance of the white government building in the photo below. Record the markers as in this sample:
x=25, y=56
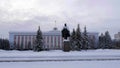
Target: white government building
x=52, y=39
x=117, y=36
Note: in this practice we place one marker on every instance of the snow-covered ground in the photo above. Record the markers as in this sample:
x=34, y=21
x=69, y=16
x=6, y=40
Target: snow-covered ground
x=58, y=55
x=65, y=64
x=83, y=59
x=99, y=52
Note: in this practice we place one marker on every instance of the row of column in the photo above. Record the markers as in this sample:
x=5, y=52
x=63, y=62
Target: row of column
x=53, y=42
x=27, y=42
x=24, y=41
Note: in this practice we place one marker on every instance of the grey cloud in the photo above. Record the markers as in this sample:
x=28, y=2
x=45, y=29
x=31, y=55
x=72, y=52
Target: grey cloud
x=97, y=15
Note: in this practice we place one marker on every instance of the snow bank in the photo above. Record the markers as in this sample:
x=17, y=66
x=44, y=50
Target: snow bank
x=99, y=52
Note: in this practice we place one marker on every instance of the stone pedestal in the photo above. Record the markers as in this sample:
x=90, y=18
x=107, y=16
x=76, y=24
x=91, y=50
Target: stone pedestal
x=66, y=46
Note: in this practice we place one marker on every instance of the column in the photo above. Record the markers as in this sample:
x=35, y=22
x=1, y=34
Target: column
x=59, y=42
x=24, y=42
x=18, y=42
x=52, y=42
x=14, y=41
x=55, y=42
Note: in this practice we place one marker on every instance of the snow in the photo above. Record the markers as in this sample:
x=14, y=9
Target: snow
x=83, y=59
x=73, y=64
x=99, y=52
x=58, y=55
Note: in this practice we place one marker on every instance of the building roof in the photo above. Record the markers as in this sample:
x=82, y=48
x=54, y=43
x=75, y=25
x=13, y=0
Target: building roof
x=55, y=31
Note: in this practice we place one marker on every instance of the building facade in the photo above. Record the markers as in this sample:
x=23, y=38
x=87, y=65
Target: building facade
x=117, y=36
x=52, y=39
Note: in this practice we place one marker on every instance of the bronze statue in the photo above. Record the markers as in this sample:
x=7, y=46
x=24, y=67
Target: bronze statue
x=65, y=32
x=66, y=42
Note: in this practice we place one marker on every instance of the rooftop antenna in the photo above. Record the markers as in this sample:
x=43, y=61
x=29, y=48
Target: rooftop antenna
x=55, y=28
x=55, y=23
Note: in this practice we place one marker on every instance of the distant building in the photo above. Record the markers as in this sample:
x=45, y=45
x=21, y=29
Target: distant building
x=52, y=39
x=117, y=36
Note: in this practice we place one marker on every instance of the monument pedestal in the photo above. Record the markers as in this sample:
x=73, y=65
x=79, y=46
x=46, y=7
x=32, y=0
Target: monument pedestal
x=66, y=46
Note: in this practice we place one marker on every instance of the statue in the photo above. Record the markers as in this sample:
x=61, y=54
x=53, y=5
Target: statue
x=65, y=32
x=66, y=41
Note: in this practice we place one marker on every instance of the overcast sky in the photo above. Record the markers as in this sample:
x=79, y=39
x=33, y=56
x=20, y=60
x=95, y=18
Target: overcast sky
x=27, y=15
